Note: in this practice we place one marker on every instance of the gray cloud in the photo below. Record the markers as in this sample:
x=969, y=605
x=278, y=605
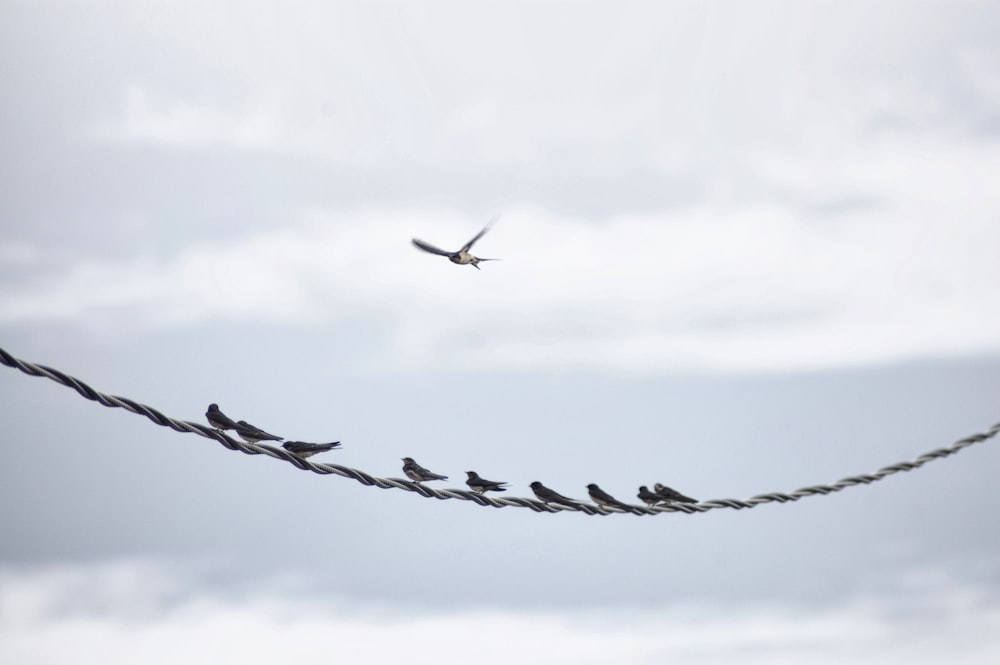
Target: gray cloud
x=119, y=485
x=929, y=616
x=774, y=237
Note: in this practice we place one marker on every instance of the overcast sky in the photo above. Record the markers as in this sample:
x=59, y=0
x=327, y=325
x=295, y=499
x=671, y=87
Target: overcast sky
x=746, y=247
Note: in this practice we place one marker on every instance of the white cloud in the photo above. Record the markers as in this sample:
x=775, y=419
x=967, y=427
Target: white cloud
x=443, y=85
x=719, y=288
x=841, y=204
x=127, y=612
x=257, y=127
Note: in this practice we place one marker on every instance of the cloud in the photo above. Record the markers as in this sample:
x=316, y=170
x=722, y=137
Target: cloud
x=804, y=203
x=650, y=85
x=128, y=611
x=718, y=288
x=184, y=122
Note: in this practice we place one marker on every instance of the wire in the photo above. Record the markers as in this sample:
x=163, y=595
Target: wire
x=368, y=479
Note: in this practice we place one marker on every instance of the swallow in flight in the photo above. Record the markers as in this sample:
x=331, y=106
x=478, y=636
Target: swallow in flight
x=462, y=256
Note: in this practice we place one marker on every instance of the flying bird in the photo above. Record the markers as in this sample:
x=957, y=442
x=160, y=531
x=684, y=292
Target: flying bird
x=218, y=419
x=304, y=449
x=602, y=498
x=462, y=256
x=417, y=473
x=252, y=434
x=546, y=495
x=670, y=495
x=482, y=485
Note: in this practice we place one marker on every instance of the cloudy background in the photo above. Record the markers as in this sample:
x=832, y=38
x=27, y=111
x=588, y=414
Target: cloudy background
x=746, y=247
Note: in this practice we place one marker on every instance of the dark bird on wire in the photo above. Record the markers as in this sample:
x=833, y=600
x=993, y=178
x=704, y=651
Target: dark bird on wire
x=418, y=473
x=671, y=496
x=462, y=256
x=602, y=498
x=304, y=449
x=482, y=485
x=218, y=419
x=546, y=495
x=252, y=434
x=648, y=497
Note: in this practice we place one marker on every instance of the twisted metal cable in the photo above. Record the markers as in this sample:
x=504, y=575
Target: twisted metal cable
x=364, y=478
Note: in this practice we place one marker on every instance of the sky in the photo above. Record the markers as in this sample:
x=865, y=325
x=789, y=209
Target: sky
x=745, y=247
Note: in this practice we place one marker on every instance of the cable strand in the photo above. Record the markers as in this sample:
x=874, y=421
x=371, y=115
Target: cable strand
x=187, y=427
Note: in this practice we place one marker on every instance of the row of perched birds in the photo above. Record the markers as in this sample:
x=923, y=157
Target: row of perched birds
x=660, y=495
x=252, y=434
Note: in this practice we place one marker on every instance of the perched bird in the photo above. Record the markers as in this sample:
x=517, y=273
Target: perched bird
x=602, y=498
x=252, y=434
x=218, y=419
x=546, y=495
x=670, y=496
x=418, y=473
x=482, y=485
x=648, y=497
x=304, y=449
x=462, y=256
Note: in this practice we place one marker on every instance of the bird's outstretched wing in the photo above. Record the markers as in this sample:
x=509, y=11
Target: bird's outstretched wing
x=427, y=247
x=467, y=246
